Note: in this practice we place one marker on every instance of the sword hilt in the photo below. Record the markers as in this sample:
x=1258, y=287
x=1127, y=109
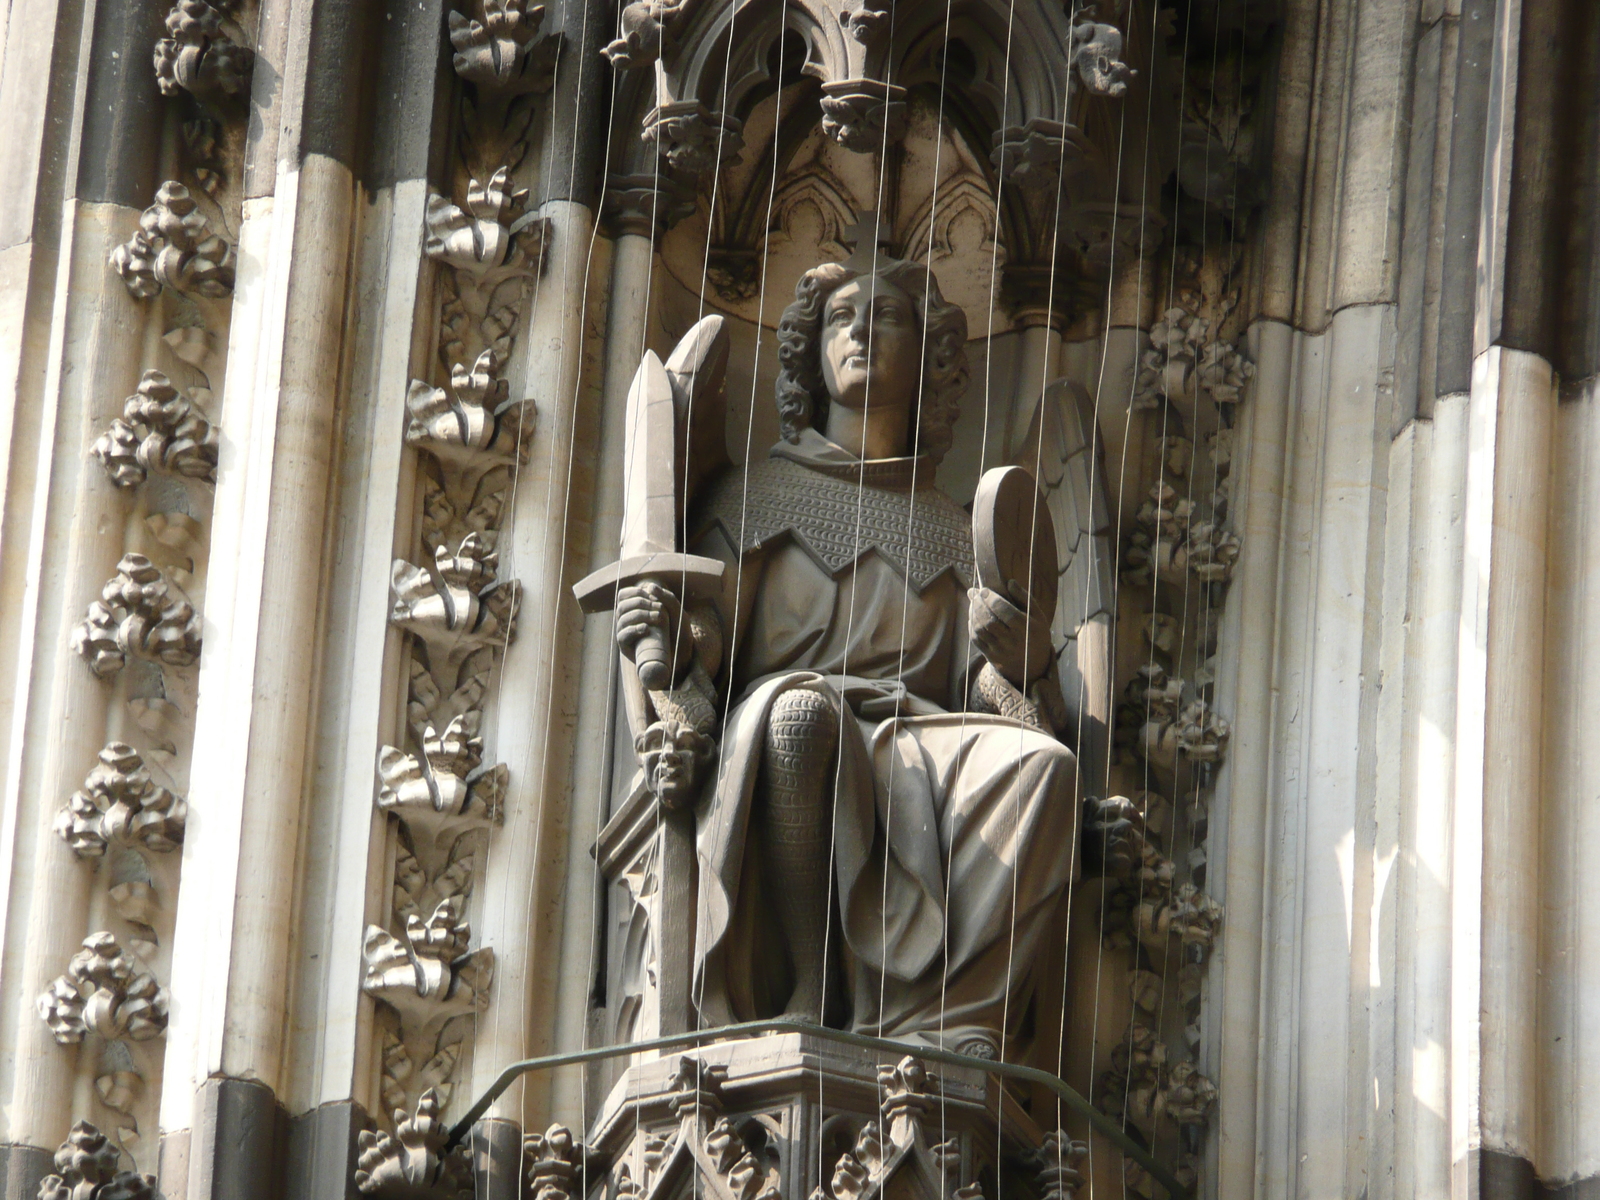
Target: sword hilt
x=683, y=574
x=653, y=659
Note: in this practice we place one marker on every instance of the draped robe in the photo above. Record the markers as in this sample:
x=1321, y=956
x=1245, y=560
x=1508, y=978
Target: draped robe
x=953, y=833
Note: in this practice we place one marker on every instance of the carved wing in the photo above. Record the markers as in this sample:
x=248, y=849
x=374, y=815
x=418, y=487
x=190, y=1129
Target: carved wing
x=1060, y=451
x=698, y=369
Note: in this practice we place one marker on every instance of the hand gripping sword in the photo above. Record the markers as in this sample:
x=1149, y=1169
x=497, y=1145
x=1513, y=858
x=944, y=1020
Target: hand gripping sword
x=657, y=474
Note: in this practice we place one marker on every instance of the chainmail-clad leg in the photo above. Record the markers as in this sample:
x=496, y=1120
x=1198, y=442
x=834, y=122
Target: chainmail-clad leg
x=797, y=769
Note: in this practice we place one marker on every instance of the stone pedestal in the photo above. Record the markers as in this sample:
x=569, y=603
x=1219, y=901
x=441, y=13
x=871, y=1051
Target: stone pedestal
x=795, y=1115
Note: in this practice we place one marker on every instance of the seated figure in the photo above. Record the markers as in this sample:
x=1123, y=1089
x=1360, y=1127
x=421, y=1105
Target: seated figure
x=870, y=811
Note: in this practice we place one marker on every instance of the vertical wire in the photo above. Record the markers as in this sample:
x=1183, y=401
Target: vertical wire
x=1155, y=575
x=1122, y=472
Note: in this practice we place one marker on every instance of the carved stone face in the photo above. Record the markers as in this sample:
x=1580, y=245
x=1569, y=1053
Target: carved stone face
x=672, y=770
x=871, y=345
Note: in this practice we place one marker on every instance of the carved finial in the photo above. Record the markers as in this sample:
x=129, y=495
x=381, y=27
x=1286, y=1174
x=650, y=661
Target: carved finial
x=869, y=238
x=86, y=1169
x=551, y=1160
x=696, y=1089
x=1058, y=1158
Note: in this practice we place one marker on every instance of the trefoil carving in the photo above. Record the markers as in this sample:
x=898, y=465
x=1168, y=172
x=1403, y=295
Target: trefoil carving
x=139, y=615
x=104, y=991
x=160, y=430
x=174, y=247
x=120, y=804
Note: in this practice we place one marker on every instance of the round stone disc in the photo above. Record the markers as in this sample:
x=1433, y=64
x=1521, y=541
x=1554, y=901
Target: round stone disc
x=1014, y=540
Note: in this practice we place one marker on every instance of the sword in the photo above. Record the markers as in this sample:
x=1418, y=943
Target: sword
x=653, y=490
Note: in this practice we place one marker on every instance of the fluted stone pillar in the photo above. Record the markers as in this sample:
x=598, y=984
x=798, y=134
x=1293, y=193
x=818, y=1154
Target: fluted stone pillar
x=72, y=343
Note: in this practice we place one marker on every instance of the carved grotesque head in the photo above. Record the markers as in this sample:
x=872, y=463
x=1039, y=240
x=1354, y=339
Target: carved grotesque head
x=885, y=336
x=673, y=756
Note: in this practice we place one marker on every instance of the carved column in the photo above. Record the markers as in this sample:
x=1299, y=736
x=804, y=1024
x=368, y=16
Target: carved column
x=627, y=324
x=73, y=341
x=227, y=1055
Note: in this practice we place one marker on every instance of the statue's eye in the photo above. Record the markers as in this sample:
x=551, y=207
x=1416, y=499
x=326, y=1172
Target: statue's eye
x=839, y=316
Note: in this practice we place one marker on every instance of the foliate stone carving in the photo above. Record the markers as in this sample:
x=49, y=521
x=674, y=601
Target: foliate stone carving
x=1184, y=353
x=1030, y=156
x=445, y=790
x=160, y=430
x=1146, y=902
x=459, y=606
x=198, y=55
x=86, y=1169
x=552, y=1159
x=174, y=247
x=730, y=1156
x=499, y=47
x=643, y=33
x=1166, y=364
x=470, y=423
x=412, y=1163
x=1143, y=1085
x=120, y=803
x=864, y=115
x=1097, y=55
x=1224, y=371
x=430, y=977
x=692, y=139
x=140, y=615
x=1174, y=538
x=1164, y=722
x=401, y=1078
x=104, y=991
x=480, y=238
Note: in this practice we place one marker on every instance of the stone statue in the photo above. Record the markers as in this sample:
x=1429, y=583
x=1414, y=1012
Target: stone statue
x=868, y=807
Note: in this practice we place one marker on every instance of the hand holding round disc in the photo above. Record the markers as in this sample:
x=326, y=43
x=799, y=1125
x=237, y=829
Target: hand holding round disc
x=1014, y=540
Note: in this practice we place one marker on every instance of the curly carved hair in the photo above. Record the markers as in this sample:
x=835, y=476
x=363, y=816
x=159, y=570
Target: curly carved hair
x=802, y=398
